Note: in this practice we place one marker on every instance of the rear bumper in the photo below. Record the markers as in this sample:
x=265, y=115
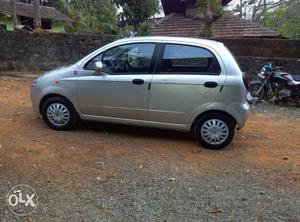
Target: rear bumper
x=241, y=113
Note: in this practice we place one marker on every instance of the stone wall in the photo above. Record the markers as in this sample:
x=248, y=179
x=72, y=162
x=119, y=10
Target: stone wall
x=267, y=48
x=21, y=51
x=43, y=51
x=252, y=54
x=252, y=65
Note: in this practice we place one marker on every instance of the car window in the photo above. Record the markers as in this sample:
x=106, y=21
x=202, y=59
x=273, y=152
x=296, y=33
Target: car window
x=129, y=58
x=90, y=65
x=185, y=59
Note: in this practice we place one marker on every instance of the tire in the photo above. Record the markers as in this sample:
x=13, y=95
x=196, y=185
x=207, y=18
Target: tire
x=253, y=88
x=297, y=101
x=66, y=112
x=224, y=130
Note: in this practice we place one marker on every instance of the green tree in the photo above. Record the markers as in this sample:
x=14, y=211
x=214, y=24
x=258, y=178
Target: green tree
x=136, y=12
x=212, y=11
x=98, y=16
x=285, y=19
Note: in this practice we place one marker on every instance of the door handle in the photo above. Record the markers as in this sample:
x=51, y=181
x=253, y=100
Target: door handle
x=210, y=84
x=138, y=81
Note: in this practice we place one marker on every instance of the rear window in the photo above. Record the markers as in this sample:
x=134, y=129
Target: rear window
x=185, y=59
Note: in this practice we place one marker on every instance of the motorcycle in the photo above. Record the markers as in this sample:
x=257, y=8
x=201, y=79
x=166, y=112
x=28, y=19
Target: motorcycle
x=273, y=80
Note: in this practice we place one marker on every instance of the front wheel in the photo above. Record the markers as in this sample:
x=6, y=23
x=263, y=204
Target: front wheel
x=253, y=96
x=214, y=130
x=59, y=113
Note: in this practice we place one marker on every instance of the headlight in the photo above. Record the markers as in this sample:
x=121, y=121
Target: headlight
x=35, y=82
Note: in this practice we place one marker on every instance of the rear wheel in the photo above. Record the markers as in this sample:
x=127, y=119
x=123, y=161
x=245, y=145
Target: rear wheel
x=253, y=96
x=297, y=100
x=59, y=113
x=214, y=130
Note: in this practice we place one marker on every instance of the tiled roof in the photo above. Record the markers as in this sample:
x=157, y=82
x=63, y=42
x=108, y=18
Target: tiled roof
x=24, y=9
x=230, y=26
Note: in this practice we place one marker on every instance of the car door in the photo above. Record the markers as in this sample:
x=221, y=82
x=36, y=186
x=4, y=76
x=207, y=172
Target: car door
x=187, y=77
x=122, y=89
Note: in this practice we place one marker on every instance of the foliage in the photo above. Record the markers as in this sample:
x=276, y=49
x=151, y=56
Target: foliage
x=136, y=12
x=99, y=16
x=212, y=10
x=91, y=15
x=285, y=19
x=280, y=15
x=255, y=10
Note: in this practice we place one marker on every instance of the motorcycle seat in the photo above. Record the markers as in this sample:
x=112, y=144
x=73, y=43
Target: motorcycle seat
x=296, y=77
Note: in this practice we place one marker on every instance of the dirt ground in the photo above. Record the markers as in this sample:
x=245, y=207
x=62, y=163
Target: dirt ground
x=103, y=172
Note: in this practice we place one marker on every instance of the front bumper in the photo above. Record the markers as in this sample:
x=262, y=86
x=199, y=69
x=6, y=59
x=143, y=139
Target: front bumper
x=35, y=94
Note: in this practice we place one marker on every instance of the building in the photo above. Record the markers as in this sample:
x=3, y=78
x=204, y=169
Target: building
x=51, y=19
x=182, y=18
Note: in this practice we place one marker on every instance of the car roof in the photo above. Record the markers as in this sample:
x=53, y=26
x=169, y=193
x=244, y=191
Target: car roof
x=181, y=40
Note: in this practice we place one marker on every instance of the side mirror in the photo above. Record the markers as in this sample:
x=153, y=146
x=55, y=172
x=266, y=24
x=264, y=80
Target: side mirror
x=98, y=68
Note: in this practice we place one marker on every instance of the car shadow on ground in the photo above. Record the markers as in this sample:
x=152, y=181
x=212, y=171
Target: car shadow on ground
x=128, y=130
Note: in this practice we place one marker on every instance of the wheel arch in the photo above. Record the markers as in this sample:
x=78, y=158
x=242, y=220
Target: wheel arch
x=48, y=96
x=210, y=112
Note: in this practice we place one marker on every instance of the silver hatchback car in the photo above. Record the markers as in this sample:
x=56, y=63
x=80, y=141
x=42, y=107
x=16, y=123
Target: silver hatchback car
x=175, y=83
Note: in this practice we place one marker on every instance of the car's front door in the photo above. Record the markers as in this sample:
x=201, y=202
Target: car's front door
x=122, y=89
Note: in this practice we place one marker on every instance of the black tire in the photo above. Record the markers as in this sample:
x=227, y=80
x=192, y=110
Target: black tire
x=297, y=101
x=229, y=122
x=253, y=88
x=73, y=116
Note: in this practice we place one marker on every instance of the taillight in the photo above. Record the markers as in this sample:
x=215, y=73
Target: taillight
x=245, y=80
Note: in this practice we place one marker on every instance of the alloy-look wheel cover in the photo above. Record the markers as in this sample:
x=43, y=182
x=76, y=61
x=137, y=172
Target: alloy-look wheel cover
x=58, y=114
x=214, y=131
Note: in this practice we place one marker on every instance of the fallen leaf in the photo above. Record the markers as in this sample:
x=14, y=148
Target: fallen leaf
x=171, y=179
x=216, y=210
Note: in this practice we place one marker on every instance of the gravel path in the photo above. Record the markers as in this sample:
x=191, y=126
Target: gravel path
x=103, y=172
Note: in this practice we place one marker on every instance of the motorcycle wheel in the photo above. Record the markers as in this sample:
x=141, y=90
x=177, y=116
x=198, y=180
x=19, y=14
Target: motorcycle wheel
x=252, y=98
x=297, y=101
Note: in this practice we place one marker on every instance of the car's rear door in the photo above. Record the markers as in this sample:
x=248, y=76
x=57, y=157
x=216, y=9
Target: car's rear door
x=187, y=77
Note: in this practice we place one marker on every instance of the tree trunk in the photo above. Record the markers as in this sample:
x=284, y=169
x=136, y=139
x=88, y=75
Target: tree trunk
x=14, y=13
x=207, y=18
x=37, y=14
x=207, y=29
x=241, y=8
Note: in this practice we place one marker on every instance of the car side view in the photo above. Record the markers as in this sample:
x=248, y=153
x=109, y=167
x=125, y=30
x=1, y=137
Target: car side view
x=174, y=83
